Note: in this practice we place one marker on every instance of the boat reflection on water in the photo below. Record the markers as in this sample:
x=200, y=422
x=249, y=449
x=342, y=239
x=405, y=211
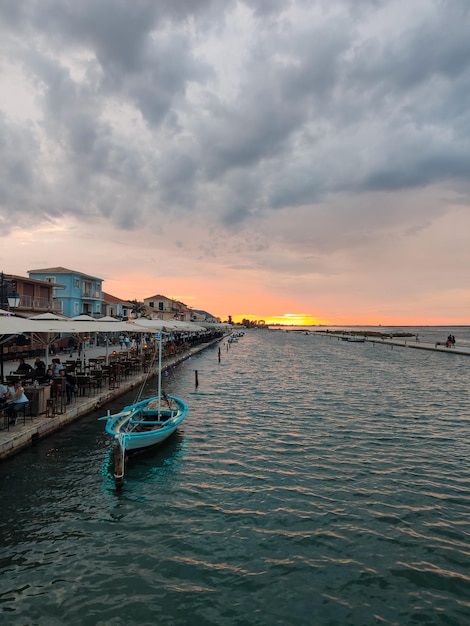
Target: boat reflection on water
x=152, y=466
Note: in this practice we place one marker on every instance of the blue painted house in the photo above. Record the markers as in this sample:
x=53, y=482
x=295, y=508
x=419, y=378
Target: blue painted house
x=80, y=293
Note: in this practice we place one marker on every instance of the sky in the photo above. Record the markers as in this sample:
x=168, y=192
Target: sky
x=278, y=160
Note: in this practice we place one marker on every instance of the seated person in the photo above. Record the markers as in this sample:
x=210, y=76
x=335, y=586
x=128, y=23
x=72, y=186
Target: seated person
x=39, y=368
x=64, y=384
x=24, y=368
x=16, y=399
x=3, y=393
x=45, y=378
x=56, y=367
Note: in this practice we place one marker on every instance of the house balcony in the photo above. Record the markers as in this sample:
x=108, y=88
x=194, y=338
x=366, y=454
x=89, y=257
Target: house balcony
x=31, y=303
x=91, y=295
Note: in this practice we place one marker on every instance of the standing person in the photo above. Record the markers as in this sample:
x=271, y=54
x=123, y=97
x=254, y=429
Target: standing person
x=121, y=341
x=71, y=344
x=16, y=399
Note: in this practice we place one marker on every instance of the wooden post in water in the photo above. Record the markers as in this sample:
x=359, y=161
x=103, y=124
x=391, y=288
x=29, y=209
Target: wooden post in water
x=196, y=378
x=119, y=455
x=219, y=354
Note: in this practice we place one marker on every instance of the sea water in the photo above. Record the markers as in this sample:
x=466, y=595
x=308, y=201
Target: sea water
x=313, y=482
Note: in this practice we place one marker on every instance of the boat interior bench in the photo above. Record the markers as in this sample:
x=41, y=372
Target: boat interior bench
x=154, y=413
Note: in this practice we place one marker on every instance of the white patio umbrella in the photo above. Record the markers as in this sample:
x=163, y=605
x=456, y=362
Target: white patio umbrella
x=48, y=316
x=13, y=325
x=112, y=321
x=47, y=338
x=187, y=327
x=84, y=318
x=147, y=324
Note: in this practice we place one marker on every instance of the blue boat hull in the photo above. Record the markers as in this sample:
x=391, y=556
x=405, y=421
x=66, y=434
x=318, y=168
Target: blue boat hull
x=146, y=424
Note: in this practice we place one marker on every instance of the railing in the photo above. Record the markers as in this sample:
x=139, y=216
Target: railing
x=91, y=294
x=30, y=302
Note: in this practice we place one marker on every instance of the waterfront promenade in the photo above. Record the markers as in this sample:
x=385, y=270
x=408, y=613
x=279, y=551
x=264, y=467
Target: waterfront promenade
x=26, y=432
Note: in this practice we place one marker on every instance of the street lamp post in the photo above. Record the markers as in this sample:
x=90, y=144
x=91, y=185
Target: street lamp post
x=9, y=301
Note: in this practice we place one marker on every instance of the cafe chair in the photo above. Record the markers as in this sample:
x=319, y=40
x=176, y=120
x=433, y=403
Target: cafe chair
x=84, y=385
x=5, y=420
x=25, y=411
x=51, y=407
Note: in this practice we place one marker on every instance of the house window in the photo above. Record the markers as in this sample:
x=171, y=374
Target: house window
x=160, y=306
x=75, y=308
x=50, y=279
x=151, y=305
x=76, y=283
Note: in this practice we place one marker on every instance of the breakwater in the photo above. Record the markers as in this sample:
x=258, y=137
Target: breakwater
x=404, y=340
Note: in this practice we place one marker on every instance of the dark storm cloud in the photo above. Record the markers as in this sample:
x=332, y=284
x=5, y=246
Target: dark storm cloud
x=20, y=184
x=305, y=108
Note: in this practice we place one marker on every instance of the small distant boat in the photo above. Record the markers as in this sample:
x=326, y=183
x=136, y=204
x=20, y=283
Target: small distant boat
x=354, y=339
x=235, y=336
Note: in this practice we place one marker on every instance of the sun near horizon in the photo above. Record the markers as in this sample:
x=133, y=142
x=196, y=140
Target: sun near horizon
x=288, y=319
x=292, y=319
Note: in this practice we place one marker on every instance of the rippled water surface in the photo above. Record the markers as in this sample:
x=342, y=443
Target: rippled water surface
x=314, y=481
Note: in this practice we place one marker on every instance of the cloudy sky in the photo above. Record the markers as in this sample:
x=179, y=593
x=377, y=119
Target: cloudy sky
x=253, y=158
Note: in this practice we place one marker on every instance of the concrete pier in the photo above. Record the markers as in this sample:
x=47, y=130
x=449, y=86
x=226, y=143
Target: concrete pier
x=404, y=342
x=418, y=345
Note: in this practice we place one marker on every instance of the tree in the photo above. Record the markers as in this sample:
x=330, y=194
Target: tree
x=138, y=308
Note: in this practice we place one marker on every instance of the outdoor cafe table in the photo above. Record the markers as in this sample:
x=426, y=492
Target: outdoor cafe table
x=38, y=397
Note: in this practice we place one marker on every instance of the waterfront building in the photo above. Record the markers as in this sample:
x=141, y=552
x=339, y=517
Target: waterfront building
x=115, y=307
x=203, y=316
x=81, y=293
x=163, y=308
x=35, y=296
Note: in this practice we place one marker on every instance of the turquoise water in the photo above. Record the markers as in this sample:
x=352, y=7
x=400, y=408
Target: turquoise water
x=314, y=481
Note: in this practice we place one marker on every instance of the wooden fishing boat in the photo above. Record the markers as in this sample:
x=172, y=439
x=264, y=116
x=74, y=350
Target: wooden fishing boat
x=143, y=425
x=146, y=423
